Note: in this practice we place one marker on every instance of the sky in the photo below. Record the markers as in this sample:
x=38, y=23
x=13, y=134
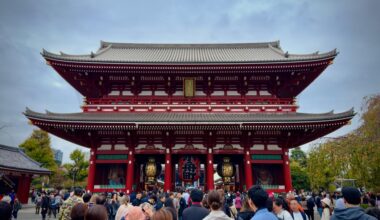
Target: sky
x=76, y=27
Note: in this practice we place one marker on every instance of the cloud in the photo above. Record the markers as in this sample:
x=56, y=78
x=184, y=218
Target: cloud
x=76, y=27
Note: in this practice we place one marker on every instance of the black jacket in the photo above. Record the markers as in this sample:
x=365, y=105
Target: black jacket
x=194, y=212
x=354, y=213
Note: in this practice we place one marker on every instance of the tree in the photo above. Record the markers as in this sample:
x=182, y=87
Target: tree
x=353, y=156
x=37, y=147
x=78, y=169
x=299, y=156
x=299, y=175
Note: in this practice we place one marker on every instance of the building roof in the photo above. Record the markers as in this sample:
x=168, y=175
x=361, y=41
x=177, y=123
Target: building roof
x=187, y=118
x=266, y=52
x=14, y=159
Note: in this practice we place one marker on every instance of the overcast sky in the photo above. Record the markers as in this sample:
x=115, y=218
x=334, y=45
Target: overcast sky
x=77, y=27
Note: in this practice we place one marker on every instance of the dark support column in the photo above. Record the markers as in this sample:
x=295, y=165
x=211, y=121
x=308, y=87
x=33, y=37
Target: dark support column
x=248, y=170
x=168, y=171
x=91, y=170
x=130, y=170
x=23, y=188
x=286, y=170
x=210, y=170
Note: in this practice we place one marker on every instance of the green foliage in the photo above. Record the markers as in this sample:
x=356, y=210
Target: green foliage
x=299, y=175
x=299, y=156
x=79, y=167
x=354, y=156
x=37, y=147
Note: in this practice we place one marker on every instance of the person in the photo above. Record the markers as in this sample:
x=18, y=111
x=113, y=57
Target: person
x=65, y=210
x=238, y=202
x=78, y=211
x=373, y=210
x=257, y=198
x=296, y=213
x=113, y=206
x=58, y=201
x=246, y=212
x=318, y=203
x=38, y=201
x=182, y=205
x=86, y=198
x=310, y=203
x=137, y=200
x=123, y=208
x=160, y=202
x=134, y=213
x=5, y=210
x=195, y=211
x=96, y=212
x=351, y=198
x=52, y=205
x=16, y=208
x=186, y=196
x=44, y=205
x=326, y=204
x=215, y=202
x=162, y=214
x=147, y=209
x=280, y=209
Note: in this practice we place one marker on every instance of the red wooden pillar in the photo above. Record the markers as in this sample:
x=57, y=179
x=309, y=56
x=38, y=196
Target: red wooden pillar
x=241, y=176
x=168, y=171
x=248, y=170
x=210, y=170
x=286, y=170
x=91, y=170
x=130, y=170
x=23, y=188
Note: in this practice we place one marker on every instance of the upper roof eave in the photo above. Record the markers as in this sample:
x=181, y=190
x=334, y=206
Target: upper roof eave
x=196, y=118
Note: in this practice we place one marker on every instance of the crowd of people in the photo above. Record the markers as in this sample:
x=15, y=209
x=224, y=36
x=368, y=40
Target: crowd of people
x=256, y=204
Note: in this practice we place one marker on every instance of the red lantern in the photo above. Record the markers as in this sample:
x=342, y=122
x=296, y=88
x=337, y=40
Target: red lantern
x=189, y=168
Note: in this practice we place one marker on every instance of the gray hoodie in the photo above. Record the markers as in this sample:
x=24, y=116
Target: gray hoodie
x=354, y=213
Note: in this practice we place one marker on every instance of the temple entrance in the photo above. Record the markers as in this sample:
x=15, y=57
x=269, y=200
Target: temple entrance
x=269, y=176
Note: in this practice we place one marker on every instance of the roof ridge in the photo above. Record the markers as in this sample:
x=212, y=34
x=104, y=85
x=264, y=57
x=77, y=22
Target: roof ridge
x=104, y=44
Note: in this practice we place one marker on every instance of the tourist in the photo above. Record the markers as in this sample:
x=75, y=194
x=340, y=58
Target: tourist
x=78, y=212
x=182, y=205
x=205, y=203
x=225, y=201
x=215, y=202
x=113, y=206
x=52, y=205
x=16, y=207
x=67, y=205
x=58, y=201
x=296, y=213
x=280, y=209
x=172, y=212
x=352, y=198
x=134, y=213
x=86, y=198
x=246, y=212
x=186, y=196
x=195, y=211
x=160, y=202
x=310, y=203
x=257, y=198
x=238, y=202
x=326, y=204
x=162, y=214
x=5, y=211
x=147, y=209
x=318, y=203
x=44, y=205
x=96, y=212
x=124, y=207
x=137, y=200
x=38, y=201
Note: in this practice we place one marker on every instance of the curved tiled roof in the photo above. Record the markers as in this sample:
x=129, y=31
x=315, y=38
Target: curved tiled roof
x=267, y=52
x=192, y=118
x=14, y=159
